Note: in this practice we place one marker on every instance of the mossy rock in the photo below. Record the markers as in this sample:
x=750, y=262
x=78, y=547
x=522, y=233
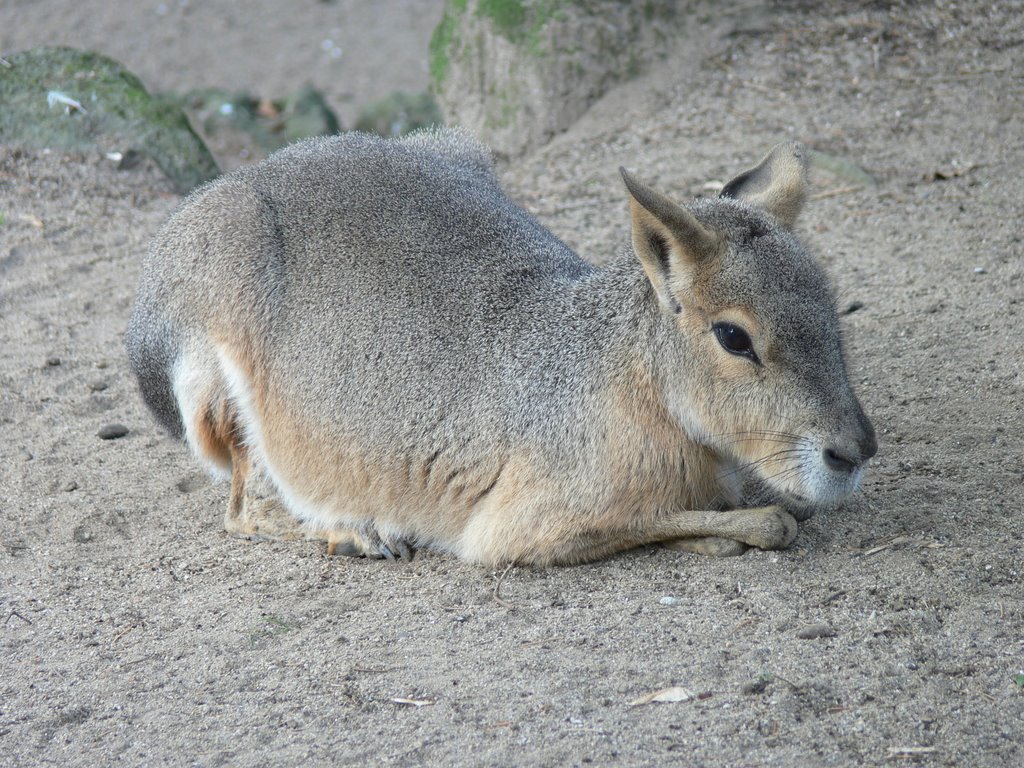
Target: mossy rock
x=114, y=112
x=399, y=114
x=306, y=114
x=517, y=72
x=269, y=123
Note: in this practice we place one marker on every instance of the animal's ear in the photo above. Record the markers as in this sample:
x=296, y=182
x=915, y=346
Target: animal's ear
x=778, y=184
x=668, y=240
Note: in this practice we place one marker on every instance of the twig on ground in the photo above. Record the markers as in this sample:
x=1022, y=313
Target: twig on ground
x=836, y=192
x=911, y=751
x=833, y=597
x=497, y=588
x=12, y=614
x=916, y=542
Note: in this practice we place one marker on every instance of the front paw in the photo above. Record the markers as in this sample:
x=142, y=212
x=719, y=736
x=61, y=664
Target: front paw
x=773, y=528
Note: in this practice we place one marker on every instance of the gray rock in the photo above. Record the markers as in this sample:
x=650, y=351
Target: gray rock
x=816, y=632
x=112, y=431
x=73, y=100
x=517, y=73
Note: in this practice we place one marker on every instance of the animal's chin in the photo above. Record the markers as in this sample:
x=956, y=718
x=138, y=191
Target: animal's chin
x=813, y=492
x=803, y=507
x=800, y=507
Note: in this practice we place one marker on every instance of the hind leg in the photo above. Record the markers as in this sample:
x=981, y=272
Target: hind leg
x=366, y=541
x=712, y=546
x=255, y=512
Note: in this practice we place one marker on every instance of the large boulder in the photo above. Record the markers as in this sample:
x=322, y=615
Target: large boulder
x=73, y=100
x=517, y=72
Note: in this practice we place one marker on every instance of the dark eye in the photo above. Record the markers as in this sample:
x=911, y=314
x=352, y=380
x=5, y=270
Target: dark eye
x=735, y=340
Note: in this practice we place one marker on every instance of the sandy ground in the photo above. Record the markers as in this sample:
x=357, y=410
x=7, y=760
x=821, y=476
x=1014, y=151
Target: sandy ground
x=132, y=629
x=353, y=51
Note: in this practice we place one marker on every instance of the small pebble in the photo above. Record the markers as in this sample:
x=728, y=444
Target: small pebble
x=755, y=686
x=816, y=632
x=852, y=307
x=98, y=386
x=112, y=431
x=980, y=271
x=669, y=601
x=53, y=361
x=70, y=486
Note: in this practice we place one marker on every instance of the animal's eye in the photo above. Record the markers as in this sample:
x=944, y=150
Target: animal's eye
x=735, y=340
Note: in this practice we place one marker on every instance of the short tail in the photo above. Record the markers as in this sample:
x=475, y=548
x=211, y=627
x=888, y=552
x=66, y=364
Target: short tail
x=153, y=347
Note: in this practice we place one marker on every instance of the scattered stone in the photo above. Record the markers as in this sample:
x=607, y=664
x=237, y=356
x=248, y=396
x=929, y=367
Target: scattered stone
x=980, y=271
x=98, y=386
x=755, y=686
x=816, y=632
x=14, y=258
x=853, y=306
x=112, y=431
x=191, y=483
x=70, y=486
x=53, y=361
x=669, y=600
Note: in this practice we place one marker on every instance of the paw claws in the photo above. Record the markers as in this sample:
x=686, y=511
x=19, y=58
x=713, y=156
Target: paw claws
x=780, y=529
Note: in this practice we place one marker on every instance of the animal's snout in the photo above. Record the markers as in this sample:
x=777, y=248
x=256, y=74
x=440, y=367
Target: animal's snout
x=868, y=443
x=848, y=457
x=839, y=461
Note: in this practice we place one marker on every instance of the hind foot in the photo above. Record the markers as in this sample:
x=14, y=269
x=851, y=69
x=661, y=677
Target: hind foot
x=712, y=546
x=366, y=541
x=255, y=512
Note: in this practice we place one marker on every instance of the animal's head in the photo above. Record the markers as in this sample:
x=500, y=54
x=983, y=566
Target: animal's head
x=753, y=365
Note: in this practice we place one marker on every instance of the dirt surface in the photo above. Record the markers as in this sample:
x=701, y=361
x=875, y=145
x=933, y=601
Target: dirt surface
x=353, y=51
x=133, y=629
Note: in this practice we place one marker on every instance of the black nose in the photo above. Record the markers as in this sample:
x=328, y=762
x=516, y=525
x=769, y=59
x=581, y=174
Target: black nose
x=847, y=458
x=837, y=461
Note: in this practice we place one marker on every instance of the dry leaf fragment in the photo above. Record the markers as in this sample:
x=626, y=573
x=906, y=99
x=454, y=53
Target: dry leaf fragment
x=900, y=540
x=56, y=97
x=413, y=702
x=675, y=693
x=949, y=173
x=911, y=751
x=267, y=108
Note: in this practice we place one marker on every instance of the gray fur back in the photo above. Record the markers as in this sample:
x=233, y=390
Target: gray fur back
x=394, y=289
